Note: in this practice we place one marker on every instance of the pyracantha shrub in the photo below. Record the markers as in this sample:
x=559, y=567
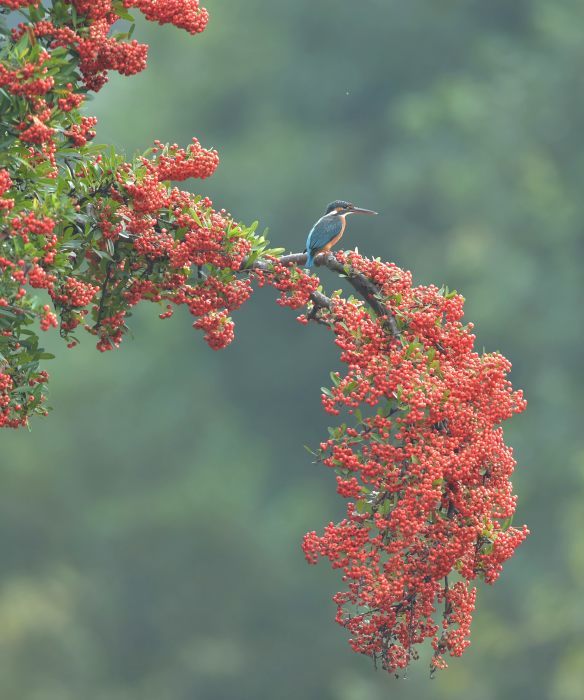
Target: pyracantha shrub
x=419, y=456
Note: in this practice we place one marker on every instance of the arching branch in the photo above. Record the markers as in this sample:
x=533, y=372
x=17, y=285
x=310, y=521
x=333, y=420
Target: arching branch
x=365, y=287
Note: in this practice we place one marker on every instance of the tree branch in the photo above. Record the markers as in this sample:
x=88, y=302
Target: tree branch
x=104, y=289
x=366, y=289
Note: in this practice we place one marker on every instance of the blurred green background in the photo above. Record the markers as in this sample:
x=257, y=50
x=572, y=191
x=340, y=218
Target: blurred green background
x=151, y=527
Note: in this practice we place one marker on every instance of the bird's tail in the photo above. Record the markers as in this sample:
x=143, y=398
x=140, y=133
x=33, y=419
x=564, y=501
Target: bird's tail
x=309, y=259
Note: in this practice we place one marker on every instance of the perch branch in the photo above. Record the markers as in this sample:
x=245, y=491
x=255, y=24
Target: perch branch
x=366, y=289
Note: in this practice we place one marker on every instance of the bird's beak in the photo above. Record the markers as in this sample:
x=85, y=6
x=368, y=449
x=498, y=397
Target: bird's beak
x=358, y=210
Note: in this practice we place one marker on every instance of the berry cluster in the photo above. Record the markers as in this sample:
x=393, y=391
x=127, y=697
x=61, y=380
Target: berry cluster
x=424, y=466
x=17, y=4
x=6, y=203
x=176, y=163
x=294, y=284
x=185, y=14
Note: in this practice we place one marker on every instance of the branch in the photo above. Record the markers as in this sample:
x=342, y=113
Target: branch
x=319, y=301
x=104, y=289
x=366, y=289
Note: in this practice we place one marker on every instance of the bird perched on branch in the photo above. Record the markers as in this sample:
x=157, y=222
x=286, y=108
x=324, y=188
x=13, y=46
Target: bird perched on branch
x=329, y=229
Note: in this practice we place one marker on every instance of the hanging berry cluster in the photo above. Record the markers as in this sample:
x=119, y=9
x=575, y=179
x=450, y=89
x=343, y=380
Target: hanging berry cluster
x=420, y=455
x=423, y=464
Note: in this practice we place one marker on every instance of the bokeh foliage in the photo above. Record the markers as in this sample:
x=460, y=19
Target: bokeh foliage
x=151, y=526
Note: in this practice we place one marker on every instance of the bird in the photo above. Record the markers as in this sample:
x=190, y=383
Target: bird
x=329, y=229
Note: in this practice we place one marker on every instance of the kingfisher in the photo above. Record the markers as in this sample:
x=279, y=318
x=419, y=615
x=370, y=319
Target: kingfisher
x=329, y=229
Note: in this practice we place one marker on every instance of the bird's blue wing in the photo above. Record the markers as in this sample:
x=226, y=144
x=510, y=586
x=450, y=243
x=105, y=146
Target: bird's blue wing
x=323, y=231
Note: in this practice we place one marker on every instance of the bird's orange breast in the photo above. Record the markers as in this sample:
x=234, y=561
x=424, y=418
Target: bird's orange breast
x=337, y=238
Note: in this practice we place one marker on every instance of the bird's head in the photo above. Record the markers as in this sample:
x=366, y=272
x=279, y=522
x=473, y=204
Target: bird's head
x=342, y=208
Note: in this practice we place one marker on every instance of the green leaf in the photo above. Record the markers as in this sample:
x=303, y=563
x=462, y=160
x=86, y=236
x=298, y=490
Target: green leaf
x=362, y=507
